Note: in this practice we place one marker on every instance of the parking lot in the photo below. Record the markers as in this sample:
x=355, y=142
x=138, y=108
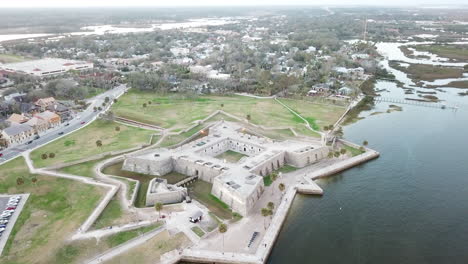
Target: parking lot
x=12, y=219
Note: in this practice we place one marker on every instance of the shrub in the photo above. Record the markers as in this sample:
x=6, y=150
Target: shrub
x=44, y=156
x=51, y=155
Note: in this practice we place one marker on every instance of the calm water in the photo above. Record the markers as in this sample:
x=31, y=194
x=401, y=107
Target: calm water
x=408, y=206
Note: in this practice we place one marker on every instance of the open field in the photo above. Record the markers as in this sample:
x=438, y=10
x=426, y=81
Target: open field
x=230, y=156
x=11, y=58
x=453, y=52
x=426, y=72
x=55, y=209
x=112, y=212
x=82, y=143
x=178, y=111
x=78, y=251
x=317, y=115
x=82, y=169
x=151, y=251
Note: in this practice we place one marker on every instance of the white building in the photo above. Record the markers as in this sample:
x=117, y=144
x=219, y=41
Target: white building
x=46, y=67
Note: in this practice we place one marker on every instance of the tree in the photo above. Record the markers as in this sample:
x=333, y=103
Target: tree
x=336, y=154
x=222, y=229
x=19, y=181
x=159, y=207
x=362, y=149
x=99, y=143
x=248, y=117
x=343, y=151
x=44, y=156
x=273, y=176
x=365, y=143
x=330, y=154
x=265, y=212
x=115, y=100
x=106, y=99
x=144, y=104
x=117, y=128
x=149, y=102
x=281, y=187
x=271, y=206
x=222, y=105
x=51, y=155
x=34, y=180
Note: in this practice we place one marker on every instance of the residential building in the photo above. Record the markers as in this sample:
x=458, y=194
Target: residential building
x=16, y=119
x=51, y=118
x=17, y=134
x=43, y=103
x=38, y=124
x=46, y=67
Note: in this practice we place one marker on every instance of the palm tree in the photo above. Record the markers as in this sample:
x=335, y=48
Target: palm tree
x=265, y=212
x=281, y=187
x=342, y=151
x=222, y=229
x=336, y=154
x=159, y=207
x=365, y=143
x=51, y=155
x=144, y=105
x=271, y=206
x=330, y=154
x=44, y=156
x=273, y=176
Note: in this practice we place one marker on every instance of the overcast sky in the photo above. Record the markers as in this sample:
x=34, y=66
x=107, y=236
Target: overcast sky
x=90, y=3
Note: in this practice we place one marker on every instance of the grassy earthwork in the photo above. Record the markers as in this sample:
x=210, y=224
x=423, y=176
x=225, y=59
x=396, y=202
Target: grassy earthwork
x=231, y=156
x=55, y=209
x=82, y=143
x=177, y=111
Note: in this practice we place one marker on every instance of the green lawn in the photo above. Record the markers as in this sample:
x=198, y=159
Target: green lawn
x=352, y=150
x=197, y=230
x=82, y=169
x=122, y=237
x=287, y=168
x=79, y=251
x=112, y=211
x=54, y=210
x=178, y=111
x=267, y=180
x=82, y=143
x=231, y=156
x=318, y=115
x=201, y=191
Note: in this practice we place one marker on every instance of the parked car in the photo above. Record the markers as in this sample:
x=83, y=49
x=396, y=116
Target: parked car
x=11, y=208
x=67, y=124
x=29, y=142
x=61, y=133
x=37, y=137
x=2, y=226
x=1, y=155
x=83, y=122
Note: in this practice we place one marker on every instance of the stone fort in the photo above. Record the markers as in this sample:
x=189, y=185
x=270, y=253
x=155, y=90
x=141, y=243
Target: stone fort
x=238, y=184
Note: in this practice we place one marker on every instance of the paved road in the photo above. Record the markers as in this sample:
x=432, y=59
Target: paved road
x=86, y=116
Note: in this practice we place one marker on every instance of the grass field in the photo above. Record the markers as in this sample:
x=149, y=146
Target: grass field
x=55, y=209
x=152, y=249
x=197, y=230
x=11, y=58
x=83, y=169
x=317, y=115
x=178, y=111
x=231, y=156
x=82, y=143
x=79, y=251
x=112, y=212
